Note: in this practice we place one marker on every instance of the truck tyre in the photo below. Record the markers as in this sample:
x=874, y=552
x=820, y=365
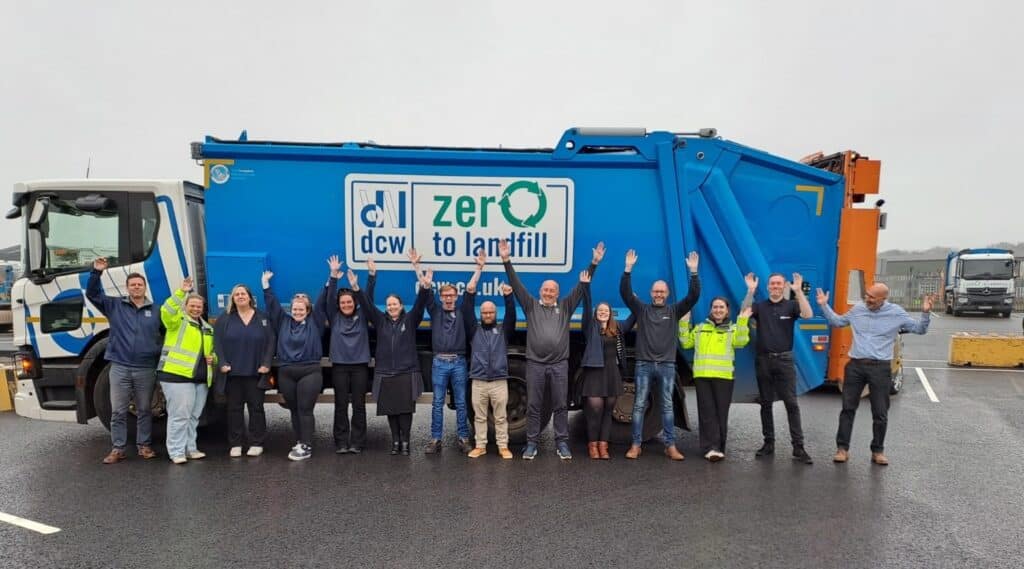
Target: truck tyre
x=949, y=309
x=622, y=416
x=101, y=401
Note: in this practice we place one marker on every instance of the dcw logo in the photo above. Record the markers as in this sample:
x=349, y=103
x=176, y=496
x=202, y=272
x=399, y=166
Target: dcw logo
x=383, y=208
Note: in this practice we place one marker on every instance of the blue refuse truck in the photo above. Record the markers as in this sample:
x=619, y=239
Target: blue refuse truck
x=287, y=206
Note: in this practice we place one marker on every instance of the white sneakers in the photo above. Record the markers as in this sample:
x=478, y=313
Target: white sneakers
x=179, y=460
x=235, y=452
x=254, y=451
x=196, y=455
x=714, y=455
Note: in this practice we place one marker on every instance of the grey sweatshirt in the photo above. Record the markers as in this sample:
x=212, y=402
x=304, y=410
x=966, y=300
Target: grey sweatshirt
x=657, y=327
x=547, y=327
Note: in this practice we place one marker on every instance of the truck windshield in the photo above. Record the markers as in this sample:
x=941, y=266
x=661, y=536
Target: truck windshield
x=69, y=239
x=988, y=269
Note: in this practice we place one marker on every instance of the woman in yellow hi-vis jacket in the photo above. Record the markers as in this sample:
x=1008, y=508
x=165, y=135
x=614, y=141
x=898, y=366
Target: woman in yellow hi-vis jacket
x=714, y=344
x=185, y=370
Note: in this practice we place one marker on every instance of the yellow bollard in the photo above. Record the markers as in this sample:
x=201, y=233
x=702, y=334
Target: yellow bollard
x=8, y=387
x=986, y=350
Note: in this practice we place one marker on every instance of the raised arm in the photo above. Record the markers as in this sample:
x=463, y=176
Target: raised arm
x=919, y=325
x=751, y=280
x=626, y=283
x=830, y=315
x=588, y=309
x=330, y=306
x=577, y=292
x=425, y=295
x=687, y=334
x=626, y=326
x=797, y=286
x=518, y=289
x=686, y=304
x=468, y=308
x=274, y=310
x=372, y=312
x=371, y=278
x=508, y=325
x=172, y=313
x=742, y=336
x=414, y=260
x=94, y=287
x=269, y=347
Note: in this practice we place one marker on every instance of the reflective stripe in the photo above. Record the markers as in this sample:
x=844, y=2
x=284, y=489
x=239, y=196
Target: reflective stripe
x=170, y=358
x=703, y=357
x=701, y=367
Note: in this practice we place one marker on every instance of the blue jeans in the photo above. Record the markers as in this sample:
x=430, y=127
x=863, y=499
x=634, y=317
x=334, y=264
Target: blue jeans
x=185, y=402
x=442, y=371
x=665, y=373
x=126, y=381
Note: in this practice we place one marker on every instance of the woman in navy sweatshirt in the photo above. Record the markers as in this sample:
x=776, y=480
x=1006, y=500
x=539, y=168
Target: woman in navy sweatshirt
x=350, y=357
x=397, y=380
x=244, y=340
x=299, y=348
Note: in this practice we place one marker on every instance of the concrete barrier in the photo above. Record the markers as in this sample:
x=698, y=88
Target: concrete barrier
x=8, y=387
x=986, y=350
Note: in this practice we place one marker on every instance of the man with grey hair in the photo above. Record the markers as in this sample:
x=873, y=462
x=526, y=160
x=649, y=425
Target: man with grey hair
x=875, y=323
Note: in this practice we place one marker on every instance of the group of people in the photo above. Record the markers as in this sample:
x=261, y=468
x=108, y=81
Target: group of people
x=469, y=355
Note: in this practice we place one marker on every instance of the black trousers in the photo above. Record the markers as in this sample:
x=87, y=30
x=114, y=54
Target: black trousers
x=350, y=382
x=300, y=386
x=878, y=375
x=714, y=396
x=776, y=379
x=242, y=393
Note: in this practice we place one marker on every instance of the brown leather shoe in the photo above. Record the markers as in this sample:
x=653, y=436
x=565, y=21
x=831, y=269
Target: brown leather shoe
x=146, y=451
x=879, y=458
x=116, y=455
x=477, y=452
x=634, y=451
x=592, y=451
x=842, y=455
x=505, y=453
x=602, y=450
x=672, y=452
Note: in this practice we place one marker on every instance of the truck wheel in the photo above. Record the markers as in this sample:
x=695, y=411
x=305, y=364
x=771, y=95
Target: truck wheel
x=101, y=401
x=622, y=416
x=515, y=411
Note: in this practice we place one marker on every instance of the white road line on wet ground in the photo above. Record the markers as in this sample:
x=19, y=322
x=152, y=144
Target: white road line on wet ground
x=930, y=361
x=988, y=369
x=927, y=386
x=28, y=524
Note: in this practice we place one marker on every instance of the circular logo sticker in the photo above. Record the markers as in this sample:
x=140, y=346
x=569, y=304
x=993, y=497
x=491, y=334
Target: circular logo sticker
x=219, y=173
x=530, y=188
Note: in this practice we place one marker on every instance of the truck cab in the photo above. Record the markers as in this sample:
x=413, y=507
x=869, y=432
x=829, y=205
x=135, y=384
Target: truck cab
x=980, y=280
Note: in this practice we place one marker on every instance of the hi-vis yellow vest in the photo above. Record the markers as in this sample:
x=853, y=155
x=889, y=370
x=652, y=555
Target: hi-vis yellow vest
x=185, y=337
x=714, y=349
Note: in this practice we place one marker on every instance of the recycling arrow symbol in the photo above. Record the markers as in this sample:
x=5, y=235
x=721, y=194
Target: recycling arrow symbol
x=506, y=203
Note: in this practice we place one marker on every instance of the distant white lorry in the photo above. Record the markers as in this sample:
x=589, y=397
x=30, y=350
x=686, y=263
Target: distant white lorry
x=980, y=280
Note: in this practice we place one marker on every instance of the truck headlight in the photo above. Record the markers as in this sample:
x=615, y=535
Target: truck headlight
x=1007, y=301
x=962, y=300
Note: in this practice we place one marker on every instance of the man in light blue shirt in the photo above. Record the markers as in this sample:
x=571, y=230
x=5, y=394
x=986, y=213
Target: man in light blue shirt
x=875, y=323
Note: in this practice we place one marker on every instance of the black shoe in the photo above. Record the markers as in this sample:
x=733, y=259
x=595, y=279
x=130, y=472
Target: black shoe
x=405, y=449
x=394, y=447
x=433, y=447
x=355, y=450
x=342, y=450
x=800, y=454
x=464, y=446
x=766, y=449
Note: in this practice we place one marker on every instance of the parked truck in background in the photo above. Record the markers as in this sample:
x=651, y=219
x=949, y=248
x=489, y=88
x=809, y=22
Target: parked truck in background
x=980, y=280
x=287, y=206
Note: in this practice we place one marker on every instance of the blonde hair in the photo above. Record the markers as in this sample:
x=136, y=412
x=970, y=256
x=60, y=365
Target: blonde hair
x=231, y=298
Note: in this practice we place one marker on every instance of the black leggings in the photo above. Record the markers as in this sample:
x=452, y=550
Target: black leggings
x=599, y=418
x=400, y=424
x=242, y=392
x=300, y=386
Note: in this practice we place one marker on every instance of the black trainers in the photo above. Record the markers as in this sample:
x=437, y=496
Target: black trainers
x=433, y=447
x=766, y=449
x=464, y=446
x=800, y=454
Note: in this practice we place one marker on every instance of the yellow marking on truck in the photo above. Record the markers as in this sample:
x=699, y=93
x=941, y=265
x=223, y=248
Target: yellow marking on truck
x=820, y=190
x=814, y=326
x=89, y=320
x=213, y=162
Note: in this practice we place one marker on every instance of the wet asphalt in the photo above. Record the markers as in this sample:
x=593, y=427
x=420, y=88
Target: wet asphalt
x=951, y=498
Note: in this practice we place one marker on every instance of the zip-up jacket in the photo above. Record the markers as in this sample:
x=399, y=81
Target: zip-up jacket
x=593, y=354
x=489, y=353
x=135, y=335
x=447, y=329
x=396, y=339
x=547, y=327
x=714, y=346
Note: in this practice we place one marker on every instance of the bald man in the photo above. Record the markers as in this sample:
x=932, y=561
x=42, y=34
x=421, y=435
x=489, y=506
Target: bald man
x=657, y=331
x=488, y=366
x=547, y=349
x=876, y=323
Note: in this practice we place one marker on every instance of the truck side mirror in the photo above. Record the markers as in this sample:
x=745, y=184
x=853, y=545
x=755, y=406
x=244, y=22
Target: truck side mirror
x=38, y=215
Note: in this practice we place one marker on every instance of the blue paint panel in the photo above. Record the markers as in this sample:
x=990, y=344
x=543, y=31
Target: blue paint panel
x=736, y=206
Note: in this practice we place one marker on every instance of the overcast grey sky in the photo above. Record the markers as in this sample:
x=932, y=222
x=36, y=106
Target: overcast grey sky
x=933, y=91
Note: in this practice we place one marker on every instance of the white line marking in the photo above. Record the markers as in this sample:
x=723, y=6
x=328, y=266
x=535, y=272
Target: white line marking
x=932, y=361
x=927, y=386
x=988, y=369
x=28, y=524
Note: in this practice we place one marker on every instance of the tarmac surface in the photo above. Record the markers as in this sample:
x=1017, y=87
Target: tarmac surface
x=951, y=497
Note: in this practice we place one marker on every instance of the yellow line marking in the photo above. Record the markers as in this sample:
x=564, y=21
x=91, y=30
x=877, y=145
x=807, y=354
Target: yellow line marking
x=820, y=190
x=814, y=326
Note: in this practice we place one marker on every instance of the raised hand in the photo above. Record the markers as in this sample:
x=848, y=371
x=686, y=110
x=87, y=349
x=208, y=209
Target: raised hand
x=481, y=260
x=504, y=249
x=926, y=304
x=100, y=264
x=265, y=279
x=822, y=297
x=797, y=284
x=598, y=253
x=692, y=260
x=746, y=312
x=335, y=265
x=414, y=257
x=506, y=289
x=631, y=258
x=353, y=280
x=371, y=266
x=427, y=278
x=186, y=285
x=751, y=280
x=584, y=276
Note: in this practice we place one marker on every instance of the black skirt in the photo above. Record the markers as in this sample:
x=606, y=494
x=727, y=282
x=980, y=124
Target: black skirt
x=604, y=381
x=395, y=396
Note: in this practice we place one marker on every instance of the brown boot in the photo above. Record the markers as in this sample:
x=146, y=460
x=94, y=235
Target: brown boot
x=672, y=452
x=879, y=458
x=116, y=455
x=146, y=451
x=634, y=451
x=592, y=450
x=842, y=455
x=602, y=450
